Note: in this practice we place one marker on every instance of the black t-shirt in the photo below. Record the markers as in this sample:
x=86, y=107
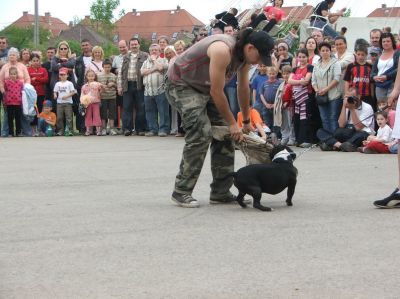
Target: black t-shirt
x=318, y=11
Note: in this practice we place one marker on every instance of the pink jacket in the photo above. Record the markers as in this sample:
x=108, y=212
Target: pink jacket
x=13, y=93
x=23, y=74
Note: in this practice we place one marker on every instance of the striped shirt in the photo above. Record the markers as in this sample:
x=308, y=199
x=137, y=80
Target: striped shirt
x=132, y=75
x=154, y=82
x=109, y=93
x=358, y=77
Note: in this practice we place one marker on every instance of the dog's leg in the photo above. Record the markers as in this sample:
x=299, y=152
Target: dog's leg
x=257, y=201
x=290, y=193
x=240, y=198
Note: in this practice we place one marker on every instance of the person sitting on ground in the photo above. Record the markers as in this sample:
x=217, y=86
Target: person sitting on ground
x=378, y=144
x=226, y=18
x=46, y=119
x=255, y=121
x=274, y=14
x=322, y=17
x=356, y=123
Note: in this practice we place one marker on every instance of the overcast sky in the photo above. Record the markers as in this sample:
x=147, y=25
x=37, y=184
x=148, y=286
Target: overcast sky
x=203, y=9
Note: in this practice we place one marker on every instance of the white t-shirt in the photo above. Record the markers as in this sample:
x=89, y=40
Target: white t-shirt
x=385, y=134
x=87, y=60
x=62, y=89
x=384, y=65
x=363, y=112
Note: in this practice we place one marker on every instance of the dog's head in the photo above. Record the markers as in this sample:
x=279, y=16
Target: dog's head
x=283, y=153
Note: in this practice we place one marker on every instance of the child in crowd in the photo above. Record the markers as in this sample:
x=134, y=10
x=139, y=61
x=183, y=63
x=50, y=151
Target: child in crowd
x=358, y=74
x=39, y=78
x=379, y=143
x=108, y=98
x=391, y=112
x=63, y=92
x=255, y=121
x=284, y=58
x=283, y=112
x=46, y=119
x=13, y=101
x=258, y=82
x=93, y=89
x=267, y=96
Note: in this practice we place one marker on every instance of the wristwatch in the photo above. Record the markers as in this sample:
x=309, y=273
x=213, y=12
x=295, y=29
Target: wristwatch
x=246, y=122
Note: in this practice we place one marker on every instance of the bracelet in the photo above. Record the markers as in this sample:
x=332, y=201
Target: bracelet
x=246, y=122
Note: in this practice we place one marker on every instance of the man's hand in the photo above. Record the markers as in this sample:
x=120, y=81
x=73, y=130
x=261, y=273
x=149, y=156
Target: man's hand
x=236, y=133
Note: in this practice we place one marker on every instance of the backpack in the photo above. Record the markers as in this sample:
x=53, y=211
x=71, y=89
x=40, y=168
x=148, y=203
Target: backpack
x=29, y=97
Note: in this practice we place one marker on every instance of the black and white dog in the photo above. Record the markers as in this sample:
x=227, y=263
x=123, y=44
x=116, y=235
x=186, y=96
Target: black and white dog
x=270, y=178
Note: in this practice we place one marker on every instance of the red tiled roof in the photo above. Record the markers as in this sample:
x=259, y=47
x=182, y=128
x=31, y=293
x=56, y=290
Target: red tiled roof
x=55, y=25
x=162, y=22
x=388, y=12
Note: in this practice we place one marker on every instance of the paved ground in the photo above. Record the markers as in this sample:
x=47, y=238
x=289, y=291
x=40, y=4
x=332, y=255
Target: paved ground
x=91, y=218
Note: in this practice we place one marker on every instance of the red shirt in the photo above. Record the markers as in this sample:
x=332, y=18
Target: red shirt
x=39, y=79
x=287, y=96
x=13, y=92
x=272, y=12
x=358, y=77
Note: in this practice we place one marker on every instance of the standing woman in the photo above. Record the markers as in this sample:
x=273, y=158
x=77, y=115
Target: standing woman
x=325, y=81
x=96, y=65
x=163, y=42
x=274, y=14
x=300, y=79
x=39, y=79
x=63, y=58
x=25, y=57
x=384, y=69
x=195, y=87
x=344, y=57
x=312, y=49
x=22, y=75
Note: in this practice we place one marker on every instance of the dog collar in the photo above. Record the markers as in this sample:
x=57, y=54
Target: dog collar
x=281, y=155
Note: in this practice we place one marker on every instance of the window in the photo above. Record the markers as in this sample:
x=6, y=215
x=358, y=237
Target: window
x=175, y=35
x=154, y=36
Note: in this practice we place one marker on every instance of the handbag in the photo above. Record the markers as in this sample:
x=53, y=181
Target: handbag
x=388, y=83
x=322, y=100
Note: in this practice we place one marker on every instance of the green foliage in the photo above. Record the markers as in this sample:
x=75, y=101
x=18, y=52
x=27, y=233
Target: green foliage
x=23, y=37
x=103, y=11
x=347, y=13
x=109, y=49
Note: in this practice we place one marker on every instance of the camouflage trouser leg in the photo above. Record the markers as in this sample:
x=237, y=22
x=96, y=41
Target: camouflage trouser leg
x=198, y=112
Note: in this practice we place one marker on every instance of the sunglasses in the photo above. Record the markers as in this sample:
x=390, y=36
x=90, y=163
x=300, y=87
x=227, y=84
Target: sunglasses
x=63, y=48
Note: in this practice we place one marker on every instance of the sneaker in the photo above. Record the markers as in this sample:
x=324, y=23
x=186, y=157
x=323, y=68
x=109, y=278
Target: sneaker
x=127, y=133
x=70, y=133
x=390, y=202
x=59, y=134
x=305, y=145
x=162, y=134
x=347, y=147
x=149, y=134
x=113, y=132
x=104, y=132
x=230, y=198
x=360, y=149
x=291, y=143
x=184, y=200
x=142, y=134
x=369, y=151
x=326, y=148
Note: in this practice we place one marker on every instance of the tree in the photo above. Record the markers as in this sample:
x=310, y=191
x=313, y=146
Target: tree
x=102, y=12
x=23, y=37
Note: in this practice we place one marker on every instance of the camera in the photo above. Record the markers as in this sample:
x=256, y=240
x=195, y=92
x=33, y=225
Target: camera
x=352, y=100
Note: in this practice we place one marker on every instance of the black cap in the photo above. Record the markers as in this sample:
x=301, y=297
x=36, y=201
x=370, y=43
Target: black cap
x=264, y=44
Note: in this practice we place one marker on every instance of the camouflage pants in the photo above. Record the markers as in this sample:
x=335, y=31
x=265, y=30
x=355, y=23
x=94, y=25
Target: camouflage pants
x=199, y=113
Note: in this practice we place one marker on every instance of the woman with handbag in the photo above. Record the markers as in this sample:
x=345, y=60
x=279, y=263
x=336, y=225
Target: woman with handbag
x=325, y=81
x=385, y=68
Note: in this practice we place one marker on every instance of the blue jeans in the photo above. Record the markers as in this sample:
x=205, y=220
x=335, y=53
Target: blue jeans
x=4, y=124
x=133, y=98
x=330, y=114
x=157, y=108
x=231, y=94
x=26, y=126
x=42, y=125
x=328, y=30
x=342, y=135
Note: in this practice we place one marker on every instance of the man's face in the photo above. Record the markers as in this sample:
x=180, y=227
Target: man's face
x=50, y=54
x=228, y=30
x=3, y=44
x=374, y=38
x=86, y=47
x=317, y=35
x=134, y=46
x=123, y=48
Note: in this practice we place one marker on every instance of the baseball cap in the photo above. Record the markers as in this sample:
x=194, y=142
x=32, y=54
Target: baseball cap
x=47, y=104
x=63, y=71
x=264, y=43
x=374, y=50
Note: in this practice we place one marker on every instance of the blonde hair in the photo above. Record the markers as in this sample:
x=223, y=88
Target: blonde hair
x=272, y=69
x=65, y=43
x=169, y=48
x=98, y=48
x=180, y=43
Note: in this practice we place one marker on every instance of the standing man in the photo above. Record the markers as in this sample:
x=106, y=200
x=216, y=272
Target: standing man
x=50, y=52
x=374, y=37
x=116, y=67
x=195, y=87
x=130, y=86
x=81, y=65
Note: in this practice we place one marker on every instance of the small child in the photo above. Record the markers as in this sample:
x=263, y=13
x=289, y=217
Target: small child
x=108, y=98
x=391, y=112
x=283, y=112
x=255, y=121
x=258, y=82
x=46, y=119
x=378, y=144
x=92, y=116
x=267, y=96
x=13, y=101
x=63, y=92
